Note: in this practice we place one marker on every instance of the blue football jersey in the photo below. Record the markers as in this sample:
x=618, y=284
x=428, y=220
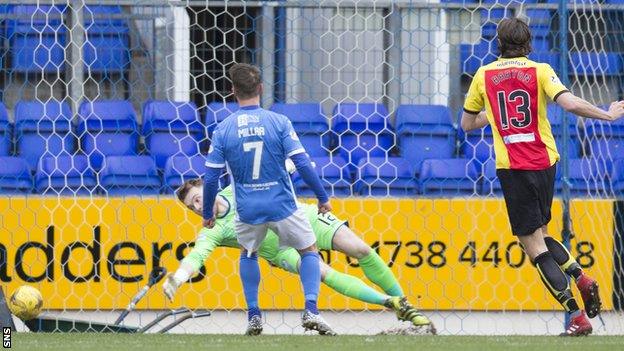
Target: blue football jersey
x=253, y=144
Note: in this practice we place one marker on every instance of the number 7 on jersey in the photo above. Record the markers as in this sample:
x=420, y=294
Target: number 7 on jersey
x=257, y=147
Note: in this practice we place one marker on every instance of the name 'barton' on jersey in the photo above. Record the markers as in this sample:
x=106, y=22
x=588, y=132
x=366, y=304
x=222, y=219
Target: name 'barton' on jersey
x=254, y=144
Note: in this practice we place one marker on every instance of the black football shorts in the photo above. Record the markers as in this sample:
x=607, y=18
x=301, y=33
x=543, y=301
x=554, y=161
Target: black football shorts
x=528, y=196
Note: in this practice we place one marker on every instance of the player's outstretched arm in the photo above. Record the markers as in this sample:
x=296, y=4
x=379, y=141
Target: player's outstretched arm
x=580, y=107
x=207, y=241
x=309, y=176
x=471, y=121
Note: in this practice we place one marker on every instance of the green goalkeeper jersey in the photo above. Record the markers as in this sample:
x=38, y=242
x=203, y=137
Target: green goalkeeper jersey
x=223, y=234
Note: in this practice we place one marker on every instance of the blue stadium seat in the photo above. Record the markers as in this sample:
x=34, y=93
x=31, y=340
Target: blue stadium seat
x=36, y=38
x=129, y=175
x=217, y=112
x=65, y=175
x=477, y=144
x=547, y=57
x=509, y=2
x=363, y=130
x=425, y=131
x=617, y=178
x=6, y=131
x=540, y=44
x=4, y=10
x=179, y=169
x=490, y=185
x=474, y=56
x=334, y=173
x=589, y=63
x=380, y=176
x=107, y=41
x=491, y=17
x=606, y=139
x=555, y=117
x=42, y=129
x=309, y=123
x=14, y=176
x=107, y=128
x=539, y=22
x=448, y=177
x=171, y=128
x=589, y=177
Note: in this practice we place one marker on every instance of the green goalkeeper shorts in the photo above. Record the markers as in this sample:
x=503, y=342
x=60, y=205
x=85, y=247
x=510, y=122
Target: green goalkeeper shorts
x=324, y=227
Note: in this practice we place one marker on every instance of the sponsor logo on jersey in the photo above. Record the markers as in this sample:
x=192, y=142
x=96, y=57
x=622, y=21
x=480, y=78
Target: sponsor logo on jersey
x=244, y=120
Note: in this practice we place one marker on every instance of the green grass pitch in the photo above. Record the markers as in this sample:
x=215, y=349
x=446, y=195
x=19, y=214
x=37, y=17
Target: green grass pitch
x=154, y=342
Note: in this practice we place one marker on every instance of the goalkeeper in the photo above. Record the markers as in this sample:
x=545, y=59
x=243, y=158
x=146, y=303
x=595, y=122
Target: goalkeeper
x=331, y=234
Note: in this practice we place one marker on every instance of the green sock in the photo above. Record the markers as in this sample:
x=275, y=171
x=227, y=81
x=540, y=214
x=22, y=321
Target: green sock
x=353, y=287
x=378, y=272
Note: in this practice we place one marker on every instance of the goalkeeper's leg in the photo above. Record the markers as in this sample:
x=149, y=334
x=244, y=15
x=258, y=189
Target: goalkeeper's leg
x=376, y=270
x=588, y=287
x=355, y=288
x=345, y=284
x=351, y=286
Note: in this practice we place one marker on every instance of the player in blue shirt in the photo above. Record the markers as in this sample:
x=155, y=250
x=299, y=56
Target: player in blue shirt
x=253, y=144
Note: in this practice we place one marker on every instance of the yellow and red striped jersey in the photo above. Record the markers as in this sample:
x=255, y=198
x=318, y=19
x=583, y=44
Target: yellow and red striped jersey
x=514, y=93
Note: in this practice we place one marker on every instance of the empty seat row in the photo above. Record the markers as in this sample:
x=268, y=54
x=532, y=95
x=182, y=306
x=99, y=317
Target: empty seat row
x=357, y=129
x=37, y=39
x=120, y=175
x=104, y=128
x=485, y=51
x=540, y=22
x=361, y=131
x=110, y=128
x=394, y=176
x=72, y=175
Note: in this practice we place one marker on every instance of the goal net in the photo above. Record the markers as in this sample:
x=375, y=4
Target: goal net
x=109, y=106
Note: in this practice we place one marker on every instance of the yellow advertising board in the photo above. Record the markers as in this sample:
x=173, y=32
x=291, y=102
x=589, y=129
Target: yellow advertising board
x=449, y=254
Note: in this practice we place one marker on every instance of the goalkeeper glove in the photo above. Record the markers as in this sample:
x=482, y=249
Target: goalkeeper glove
x=170, y=286
x=173, y=281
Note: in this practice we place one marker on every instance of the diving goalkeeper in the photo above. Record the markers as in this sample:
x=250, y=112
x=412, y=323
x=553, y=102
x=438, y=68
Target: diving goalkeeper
x=331, y=234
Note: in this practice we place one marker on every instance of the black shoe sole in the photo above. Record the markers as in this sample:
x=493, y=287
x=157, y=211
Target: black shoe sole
x=254, y=332
x=321, y=331
x=593, y=304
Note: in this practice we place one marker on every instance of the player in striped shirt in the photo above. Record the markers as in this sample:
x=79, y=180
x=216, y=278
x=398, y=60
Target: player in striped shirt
x=514, y=92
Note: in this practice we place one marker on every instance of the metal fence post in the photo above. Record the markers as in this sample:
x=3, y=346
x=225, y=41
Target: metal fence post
x=76, y=63
x=566, y=232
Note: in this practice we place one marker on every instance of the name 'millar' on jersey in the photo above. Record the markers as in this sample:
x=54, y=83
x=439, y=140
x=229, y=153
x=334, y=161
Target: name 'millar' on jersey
x=253, y=144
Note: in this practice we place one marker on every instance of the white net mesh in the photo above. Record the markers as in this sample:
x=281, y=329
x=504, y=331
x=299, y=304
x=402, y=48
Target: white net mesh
x=109, y=106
